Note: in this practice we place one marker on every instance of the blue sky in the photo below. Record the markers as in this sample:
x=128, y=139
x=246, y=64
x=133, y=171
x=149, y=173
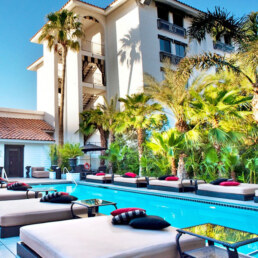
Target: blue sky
x=21, y=19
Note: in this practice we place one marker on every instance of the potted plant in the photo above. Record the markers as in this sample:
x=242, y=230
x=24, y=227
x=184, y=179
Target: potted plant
x=71, y=152
x=53, y=154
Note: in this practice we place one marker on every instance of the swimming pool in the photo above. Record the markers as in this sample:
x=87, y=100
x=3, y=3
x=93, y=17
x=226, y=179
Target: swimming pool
x=180, y=213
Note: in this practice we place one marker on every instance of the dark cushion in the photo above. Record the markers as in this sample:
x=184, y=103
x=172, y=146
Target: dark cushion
x=218, y=181
x=149, y=222
x=58, y=197
x=163, y=177
x=17, y=186
x=122, y=210
x=124, y=218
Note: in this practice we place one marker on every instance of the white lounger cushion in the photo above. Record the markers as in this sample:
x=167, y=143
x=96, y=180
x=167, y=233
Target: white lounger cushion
x=256, y=193
x=31, y=211
x=132, y=180
x=7, y=195
x=175, y=184
x=107, y=176
x=240, y=189
x=97, y=237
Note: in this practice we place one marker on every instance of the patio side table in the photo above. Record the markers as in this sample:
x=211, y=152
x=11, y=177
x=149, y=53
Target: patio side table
x=91, y=205
x=39, y=190
x=230, y=238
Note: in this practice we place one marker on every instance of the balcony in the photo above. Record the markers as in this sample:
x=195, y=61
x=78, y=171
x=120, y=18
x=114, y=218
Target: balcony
x=223, y=47
x=173, y=58
x=94, y=48
x=165, y=25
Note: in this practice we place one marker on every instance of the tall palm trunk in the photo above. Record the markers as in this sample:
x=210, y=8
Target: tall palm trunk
x=140, y=137
x=61, y=110
x=103, y=143
x=112, y=139
x=233, y=175
x=173, y=166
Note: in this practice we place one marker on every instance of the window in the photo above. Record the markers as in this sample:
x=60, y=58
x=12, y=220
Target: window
x=227, y=39
x=180, y=50
x=162, y=13
x=165, y=45
x=178, y=20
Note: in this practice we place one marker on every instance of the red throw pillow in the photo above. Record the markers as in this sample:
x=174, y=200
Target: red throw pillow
x=64, y=193
x=229, y=183
x=2, y=179
x=122, y=210
x=172, y=178
x=100, y=174
x=130, y=174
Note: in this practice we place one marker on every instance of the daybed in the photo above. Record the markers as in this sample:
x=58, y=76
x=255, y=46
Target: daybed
x=241, y=192
x=14, y=214
x=98, y=237
x=185, y=185
x=256, y=196
x=100, y=179
x=8, y=195
x=39, y=172
x=131, y=181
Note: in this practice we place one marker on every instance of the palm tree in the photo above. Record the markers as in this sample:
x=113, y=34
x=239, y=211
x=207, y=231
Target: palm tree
x=110, y=112
x=62, y=32
x=140, y=115
x=171, y=92
x=92, y=120
x=217, y=23
x=243, y=31
x=169, y=144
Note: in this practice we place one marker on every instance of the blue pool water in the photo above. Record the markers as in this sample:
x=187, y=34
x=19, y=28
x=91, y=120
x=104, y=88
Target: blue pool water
x=179, y=213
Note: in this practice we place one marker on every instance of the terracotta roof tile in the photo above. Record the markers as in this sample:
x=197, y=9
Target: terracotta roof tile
x=25, y=129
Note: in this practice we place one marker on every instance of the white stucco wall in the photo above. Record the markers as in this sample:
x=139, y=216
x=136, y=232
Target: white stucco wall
x=124, y=69
x=47, y=83
x=35, y=153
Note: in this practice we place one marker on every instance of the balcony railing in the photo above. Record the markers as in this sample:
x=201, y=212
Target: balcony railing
x=94, y=48
x=223, y=47
x=165, y=25
x=173, y=58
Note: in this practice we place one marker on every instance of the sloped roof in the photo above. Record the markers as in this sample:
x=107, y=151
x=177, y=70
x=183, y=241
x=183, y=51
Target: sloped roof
x=25, y=129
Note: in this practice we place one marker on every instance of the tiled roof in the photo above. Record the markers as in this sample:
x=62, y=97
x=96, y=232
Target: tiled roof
x=25, y=129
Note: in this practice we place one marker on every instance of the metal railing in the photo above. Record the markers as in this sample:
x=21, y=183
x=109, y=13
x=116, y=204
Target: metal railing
x=68, y=172
x=94, y=48
x=165, y=25
x=223, y=46
x=173, y=58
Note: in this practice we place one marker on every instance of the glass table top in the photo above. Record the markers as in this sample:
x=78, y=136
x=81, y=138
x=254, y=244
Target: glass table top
x=221, y=233
x=94, y=202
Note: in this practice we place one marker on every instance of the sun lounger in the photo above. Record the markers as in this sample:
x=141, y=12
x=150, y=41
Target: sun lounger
x=8, y=195
x=14, y=214
x=185, y=185
x=241, y=192
x=256, y=196
x=97, y=237
x=131, y=182
x=100, y=179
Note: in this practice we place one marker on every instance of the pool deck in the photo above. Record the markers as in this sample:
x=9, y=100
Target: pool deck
x=8, y=245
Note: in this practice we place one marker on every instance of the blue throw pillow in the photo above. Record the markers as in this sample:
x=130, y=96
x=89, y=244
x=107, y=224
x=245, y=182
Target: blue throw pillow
x=149, y=222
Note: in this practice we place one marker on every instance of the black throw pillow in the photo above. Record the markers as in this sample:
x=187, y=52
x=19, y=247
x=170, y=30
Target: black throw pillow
x=163, y=177
x=58, y=197
x=125, y=217
x=149, y=222
x=17, y=186
x=218, y=181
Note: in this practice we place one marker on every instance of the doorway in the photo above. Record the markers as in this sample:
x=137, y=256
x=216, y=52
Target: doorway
x=13, y=162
